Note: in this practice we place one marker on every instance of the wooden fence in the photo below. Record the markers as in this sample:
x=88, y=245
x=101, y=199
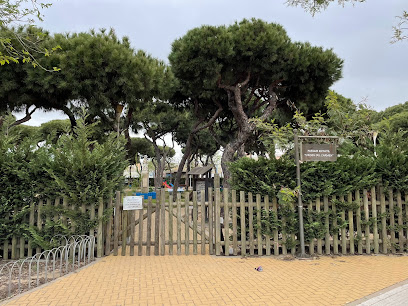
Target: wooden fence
x=234, y=223
x=19, y=247
x=363, y=222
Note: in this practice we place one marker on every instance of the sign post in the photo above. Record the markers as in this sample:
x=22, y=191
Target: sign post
x=310, y=152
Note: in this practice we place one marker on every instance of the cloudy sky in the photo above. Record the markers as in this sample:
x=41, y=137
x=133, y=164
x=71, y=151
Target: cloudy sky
x=375, y=71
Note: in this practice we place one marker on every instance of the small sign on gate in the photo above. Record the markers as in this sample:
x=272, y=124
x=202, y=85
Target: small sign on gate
x=133, y=203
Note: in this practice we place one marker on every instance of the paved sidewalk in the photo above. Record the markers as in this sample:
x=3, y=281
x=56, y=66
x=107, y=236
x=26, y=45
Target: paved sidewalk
x=396, y=295
x=209, y=280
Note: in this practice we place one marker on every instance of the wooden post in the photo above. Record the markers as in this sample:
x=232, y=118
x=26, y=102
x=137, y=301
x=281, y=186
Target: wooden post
x=311, y=243
x=234, y=222
x=226, y=221
x=203, y=223
x=336, y=231
x=384, y=233
x=178, y=223
x=99, y=249
x=326, y=225
x=358, y=223
x=275, y=231
x=267, y=237
x=367, y=218
x=195, y=222
x=171, y=224
x=109, y=229
x=392, y=219
x=217, y=214
x=157, y=223
x=319, y=240
x=163, y=222
x=400, y=223
x=375, y=225
x=211, y=221
x=217, y=221
x=124, y=230
x=116, y=224
x=351, y=224
x=251, y=223
x=292, y=236
x=140, y=238
x=187, y=223
x=259, y=225
x=243, y=225
x=149, y=226
x=343, y=230
x=131, y=223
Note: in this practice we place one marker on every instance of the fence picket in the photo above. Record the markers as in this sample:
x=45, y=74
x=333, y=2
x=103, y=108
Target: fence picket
x=351, y=223
x=124, y=230
x=326, y=225
x=202, y=223
x=336, y=230
x=243, y=225
x=375, y=225
x=311, y=243
x=132, y=216
x=358, y=223
x=384, y=234
x=292, y=236
x=343, y=235
x=392, y=219
x=195, y=213
x=367, y=219
x=109, y=229
x=99, y=237
x=259, y=224
x=226, y=222
x=163, y=222
x=187, y=223
x=170, y=224
x=275, y=231
x=178, y=223
x=251, y=223
x=211, y=220
x=267, y=237
x=116, y=224
x=400, y=223
x=140, y=238
x=319, y=240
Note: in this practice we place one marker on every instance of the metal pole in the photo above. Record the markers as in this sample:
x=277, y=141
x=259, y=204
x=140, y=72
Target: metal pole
x=300, y=205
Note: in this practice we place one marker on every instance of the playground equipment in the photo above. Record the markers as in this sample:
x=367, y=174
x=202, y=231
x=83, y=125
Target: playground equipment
x=165, y=184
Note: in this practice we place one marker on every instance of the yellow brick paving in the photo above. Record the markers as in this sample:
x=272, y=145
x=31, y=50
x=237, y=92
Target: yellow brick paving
x=210, y=280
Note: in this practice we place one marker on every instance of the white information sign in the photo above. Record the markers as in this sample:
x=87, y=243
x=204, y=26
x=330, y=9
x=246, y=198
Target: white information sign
x=133, y=203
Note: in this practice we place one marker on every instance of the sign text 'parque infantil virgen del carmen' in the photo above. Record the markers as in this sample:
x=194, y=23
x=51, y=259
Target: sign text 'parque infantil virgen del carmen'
x=319, y=152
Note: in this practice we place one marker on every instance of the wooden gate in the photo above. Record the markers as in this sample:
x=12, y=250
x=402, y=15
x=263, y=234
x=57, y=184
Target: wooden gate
x=165, y=227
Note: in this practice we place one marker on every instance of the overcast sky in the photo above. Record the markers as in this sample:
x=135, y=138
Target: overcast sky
x=374, y=70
